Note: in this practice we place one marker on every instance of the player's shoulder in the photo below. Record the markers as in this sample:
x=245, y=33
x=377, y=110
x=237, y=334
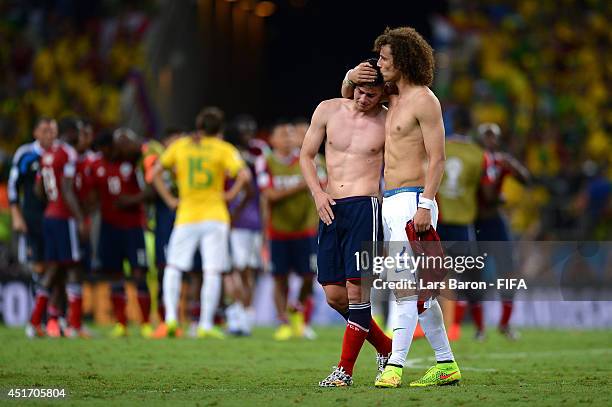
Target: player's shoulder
x=330, y=105
x=425, y=96
x=181, y=142
x=24, y=149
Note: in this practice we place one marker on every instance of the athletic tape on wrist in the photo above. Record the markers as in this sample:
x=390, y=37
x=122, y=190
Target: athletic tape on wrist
x=426, y=203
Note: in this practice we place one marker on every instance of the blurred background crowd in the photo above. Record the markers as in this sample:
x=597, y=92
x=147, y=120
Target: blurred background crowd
x=541, y=70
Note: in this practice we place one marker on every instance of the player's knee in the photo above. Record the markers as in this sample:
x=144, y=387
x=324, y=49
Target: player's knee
x=339, y=304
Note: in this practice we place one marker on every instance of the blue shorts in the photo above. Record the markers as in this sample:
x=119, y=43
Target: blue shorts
x=494, y=239
x=456, y=233
x=164, y=222
x=119, y=244
x=34, y=240
x=61, y=240
x=357, y=220
x=297, y=255
x=492, y=230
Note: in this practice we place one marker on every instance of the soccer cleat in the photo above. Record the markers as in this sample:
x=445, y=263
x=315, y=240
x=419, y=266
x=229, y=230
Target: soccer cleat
x=146, y=331
x=441, y=374
x=391, y=377
x=309, y=333
x=283, y=333
x=509, y=333
x=34, y=331
x=53, y=328
x=296, y=319
x=82, y=333
x=212, y=333
x=337, y=378
x=480, y=335
x=119, y=331
x=167, y=330
x=381, y=362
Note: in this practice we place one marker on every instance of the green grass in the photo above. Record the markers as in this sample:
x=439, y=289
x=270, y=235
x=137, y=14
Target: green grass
x=544, y=368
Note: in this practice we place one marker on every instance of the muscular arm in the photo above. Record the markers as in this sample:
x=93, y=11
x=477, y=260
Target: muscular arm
x=429, y=115
x=310, y=147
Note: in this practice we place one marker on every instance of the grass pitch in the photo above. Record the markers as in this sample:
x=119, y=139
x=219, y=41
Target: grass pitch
x=544, y=368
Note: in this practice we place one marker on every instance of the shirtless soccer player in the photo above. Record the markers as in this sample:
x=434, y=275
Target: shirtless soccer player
x=349, y=212
x=414, y=164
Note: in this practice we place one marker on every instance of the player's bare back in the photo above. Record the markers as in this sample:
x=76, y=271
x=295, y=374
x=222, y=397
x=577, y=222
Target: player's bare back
x=353, y=150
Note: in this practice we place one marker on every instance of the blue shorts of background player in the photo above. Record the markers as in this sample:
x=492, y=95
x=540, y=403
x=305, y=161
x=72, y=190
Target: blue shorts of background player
x=61, y=241
x=357, y=220
x=295, y=255
x=119, y=244
x=164, y=223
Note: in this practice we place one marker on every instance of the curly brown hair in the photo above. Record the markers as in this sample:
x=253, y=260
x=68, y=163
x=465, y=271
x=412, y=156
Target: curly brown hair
x=412, y=55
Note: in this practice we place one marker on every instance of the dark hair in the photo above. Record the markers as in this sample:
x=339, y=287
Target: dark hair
x=210, y=120
x=169, y=131
x=68, y=125
x=41, y=120
x=300, y=120
x=103, y=139
x=462, y=120
x=412, y=55
x=280, y=122
x=379, y=81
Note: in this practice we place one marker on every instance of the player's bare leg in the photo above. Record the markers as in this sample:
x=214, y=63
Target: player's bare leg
x=281, y=292
x=352, y=302
x=302, y=313
x=144, y=301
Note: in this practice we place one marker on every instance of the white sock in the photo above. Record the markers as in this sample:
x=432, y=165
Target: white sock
x=432, y=322
x=232, y=317
x=209, y=298
x=249, y=319
x=405, y=324
x=172, y=292
x=391, y=316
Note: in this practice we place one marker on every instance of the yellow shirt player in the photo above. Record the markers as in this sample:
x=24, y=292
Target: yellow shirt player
x=200, y=163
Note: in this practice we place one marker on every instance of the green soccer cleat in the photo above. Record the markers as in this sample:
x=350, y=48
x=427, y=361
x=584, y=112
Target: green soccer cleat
x=212, y=333
x=390, y=378
x=283, y=333
x=119, y=331
x=441, y=374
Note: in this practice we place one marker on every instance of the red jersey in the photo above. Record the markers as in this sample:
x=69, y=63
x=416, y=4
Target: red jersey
x=111, y=180
x=83, y=180
x=57, y=163
x=493, y=173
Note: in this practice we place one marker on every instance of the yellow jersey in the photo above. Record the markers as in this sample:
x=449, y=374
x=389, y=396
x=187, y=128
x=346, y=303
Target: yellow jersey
x=200, y=169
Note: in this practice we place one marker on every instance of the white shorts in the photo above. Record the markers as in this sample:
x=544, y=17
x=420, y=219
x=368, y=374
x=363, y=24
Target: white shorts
x=211, y=237
x=397, y=209
x=245, y=248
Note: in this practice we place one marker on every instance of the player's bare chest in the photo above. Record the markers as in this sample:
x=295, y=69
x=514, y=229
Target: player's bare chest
x=358, y=136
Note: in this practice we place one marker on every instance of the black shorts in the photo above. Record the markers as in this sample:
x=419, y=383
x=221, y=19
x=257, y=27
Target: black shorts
x=357, y=221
